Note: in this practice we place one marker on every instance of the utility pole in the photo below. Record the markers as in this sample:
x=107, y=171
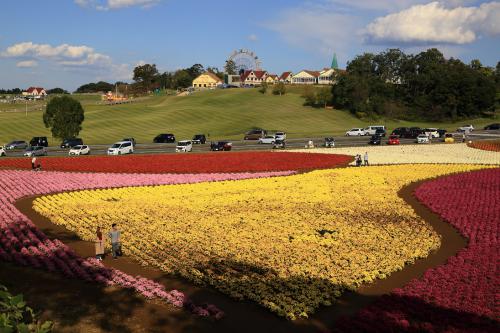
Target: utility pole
x=26, y=108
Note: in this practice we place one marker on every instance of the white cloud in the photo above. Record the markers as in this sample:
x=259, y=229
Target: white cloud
x=253, y=38
x=391, y=5
x=27, y=64
x=69, y=57
x=115, y=4
x=434, y=23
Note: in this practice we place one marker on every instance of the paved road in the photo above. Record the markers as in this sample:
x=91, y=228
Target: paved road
x=340, y=141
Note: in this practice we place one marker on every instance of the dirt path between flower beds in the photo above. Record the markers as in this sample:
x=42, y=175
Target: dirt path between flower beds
x=77, y=306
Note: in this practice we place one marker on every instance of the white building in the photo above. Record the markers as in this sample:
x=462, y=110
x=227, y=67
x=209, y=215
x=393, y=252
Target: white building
x=306, y=77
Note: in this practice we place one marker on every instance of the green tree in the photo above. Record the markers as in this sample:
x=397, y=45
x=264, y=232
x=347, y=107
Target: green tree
x=279, y=88
x=215, y=70
x=195, y=71
x=145, y=75
x=57, y=91
x=263, y=88
x=230, y=67
x=324, y=96
x=309, y=95
x=64, y=116
x=182, y=79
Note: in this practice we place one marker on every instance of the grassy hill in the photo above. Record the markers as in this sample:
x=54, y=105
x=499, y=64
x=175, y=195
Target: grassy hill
x=221, y=113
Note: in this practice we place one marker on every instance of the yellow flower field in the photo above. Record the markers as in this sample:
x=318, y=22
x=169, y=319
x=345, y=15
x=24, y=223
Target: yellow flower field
x=289, y=243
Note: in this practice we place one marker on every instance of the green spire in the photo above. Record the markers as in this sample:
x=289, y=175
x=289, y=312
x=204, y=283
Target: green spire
x=335, y=65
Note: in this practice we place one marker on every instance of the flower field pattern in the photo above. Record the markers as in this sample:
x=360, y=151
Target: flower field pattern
x=461, y=295
x=405, y=154
x=22, y=243
x=289, y=243
x=491, y=145
x=185, y=163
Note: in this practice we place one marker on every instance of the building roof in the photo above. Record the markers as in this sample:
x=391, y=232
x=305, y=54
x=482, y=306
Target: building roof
x=258, y=74
x=273, y=76
x=285, y=75
x=212, y=75
x=312, y=73
x=33, y=89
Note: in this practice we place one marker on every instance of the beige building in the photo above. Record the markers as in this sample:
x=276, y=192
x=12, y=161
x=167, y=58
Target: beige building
x=306, y=77
x=207, y=80
x=253, y=77
x=286, y=77
x=326, y=76
x=272, y=79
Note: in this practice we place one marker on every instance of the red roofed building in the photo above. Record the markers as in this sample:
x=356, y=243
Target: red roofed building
x=35, y=92
x=286, y=77
x=253, y=77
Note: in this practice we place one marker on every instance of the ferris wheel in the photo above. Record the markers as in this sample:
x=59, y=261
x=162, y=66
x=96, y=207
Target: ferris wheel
x=245, y=60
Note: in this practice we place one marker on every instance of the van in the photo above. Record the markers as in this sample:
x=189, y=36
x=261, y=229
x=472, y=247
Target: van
x=70, y=143
x=371, y=130
x=255, y=134
x=39, y=141
x=121, y=148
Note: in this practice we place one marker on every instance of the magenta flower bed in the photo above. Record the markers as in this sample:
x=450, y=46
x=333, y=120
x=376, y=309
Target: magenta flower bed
x=461, y=295
x=23, y=243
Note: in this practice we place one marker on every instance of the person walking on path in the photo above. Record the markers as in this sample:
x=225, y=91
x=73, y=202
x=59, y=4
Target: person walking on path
x=99, y=244
x=33, y=163
x=366, y=158
x=114, y=234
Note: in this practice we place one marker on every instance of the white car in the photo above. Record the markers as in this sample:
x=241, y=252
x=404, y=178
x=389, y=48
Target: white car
x=465, y=128
x=35, y=151
x=431, y=131
x=79, y=150
x=422, y=138
x=2, y=151
x=355, y=132
x=268, y=139
x=121, y=148
x=371, y=130
x=280, y=136
x=184, y=146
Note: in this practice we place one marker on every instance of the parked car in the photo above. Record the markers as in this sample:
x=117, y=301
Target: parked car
x=255, y=134
x=221, y=146
x=184, y=146
x=375, y=140
x=415, y=132
x=2, y=151
x=79, y=150
x=279, y=144
x=495, y=126
x=18, y=144
x=393, y=140
x=199, y=139
x=131, y=140
x=448, y=138
x=39, y=141
x=268, y=139
x=465, y=128
x=371, y=130
x=441, y=132
x=164, y=138
x=69, y=143
x=380, y=132
x=422, y=138
x=431, y=131
x=121, y=148
x=35, y=151
x=329, y=142
x=355, y=132
x=402, y=132
x=280, y=136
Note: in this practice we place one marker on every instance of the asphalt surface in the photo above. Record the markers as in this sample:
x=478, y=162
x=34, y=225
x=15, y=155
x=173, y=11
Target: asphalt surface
x=340, y=141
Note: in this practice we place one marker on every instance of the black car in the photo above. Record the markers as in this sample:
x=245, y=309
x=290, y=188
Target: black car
x=402, y=132
x=221, y=146
x=375, y=140
x=380, y=132
x=164, y=138
x=495, y=126
x=415, y=131
x=131, y=140
x=70, y=143
x=39, y=141
x=199, y=139
x=441, y=132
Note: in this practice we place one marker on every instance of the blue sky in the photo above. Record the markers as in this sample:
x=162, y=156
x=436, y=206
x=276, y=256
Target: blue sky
x=66, y=43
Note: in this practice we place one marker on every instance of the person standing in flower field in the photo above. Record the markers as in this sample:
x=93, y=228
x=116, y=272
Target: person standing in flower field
x=366, y=158
x=114, y=234
x=99, y=244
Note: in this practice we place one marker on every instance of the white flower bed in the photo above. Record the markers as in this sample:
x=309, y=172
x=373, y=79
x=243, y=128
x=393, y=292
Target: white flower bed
x=428, y=153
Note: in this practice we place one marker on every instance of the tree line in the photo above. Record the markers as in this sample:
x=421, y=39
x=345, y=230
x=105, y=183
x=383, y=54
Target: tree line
x=423, y=86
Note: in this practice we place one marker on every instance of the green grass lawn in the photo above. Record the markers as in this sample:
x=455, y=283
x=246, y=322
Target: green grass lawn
x=221, y=113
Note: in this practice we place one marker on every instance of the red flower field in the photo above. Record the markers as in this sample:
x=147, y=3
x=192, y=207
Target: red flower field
x=185, y=163
x=461, y=295
x=493, y=145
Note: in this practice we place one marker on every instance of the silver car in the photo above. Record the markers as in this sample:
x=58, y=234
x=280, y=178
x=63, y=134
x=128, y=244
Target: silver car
x=18, y=144
x=35, y=151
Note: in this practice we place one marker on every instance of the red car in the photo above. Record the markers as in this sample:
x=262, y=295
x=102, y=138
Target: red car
x=393, y=140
